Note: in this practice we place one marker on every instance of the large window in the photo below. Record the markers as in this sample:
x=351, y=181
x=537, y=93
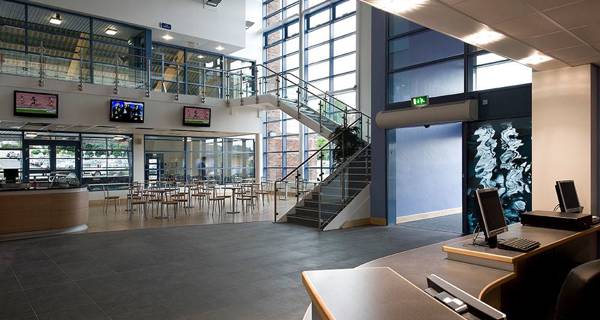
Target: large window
x=106, y=158
x=11, y=152
x=329, y=64
x=180, y=158
x=425, y=62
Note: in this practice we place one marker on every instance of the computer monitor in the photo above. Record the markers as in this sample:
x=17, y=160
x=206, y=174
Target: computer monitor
x=11, y=175
x=492, y=215
x=567, y=196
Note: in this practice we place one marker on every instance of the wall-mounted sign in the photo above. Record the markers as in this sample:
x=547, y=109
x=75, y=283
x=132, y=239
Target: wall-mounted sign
x=420, y=101
x=165, y=25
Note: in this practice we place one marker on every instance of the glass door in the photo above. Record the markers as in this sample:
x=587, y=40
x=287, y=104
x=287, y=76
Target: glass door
x=46, y=158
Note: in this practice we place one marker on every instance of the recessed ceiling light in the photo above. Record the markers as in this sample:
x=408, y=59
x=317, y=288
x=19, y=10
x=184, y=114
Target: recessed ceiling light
x=167, y=37
x=56, y=19
x=220, y=48
x=111, y=31
x=535, y=58
x=398, y=6
x=200, y=56
x=483, y=37
x=30, y=135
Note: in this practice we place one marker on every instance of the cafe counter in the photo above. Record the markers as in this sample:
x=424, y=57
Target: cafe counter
x=31, y=212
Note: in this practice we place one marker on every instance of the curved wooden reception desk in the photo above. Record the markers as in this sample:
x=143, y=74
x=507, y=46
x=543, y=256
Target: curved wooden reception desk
x=43, y=211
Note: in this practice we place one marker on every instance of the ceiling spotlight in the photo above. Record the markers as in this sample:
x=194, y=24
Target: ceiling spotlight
x=220, y=48
x=483, y=37
x=200, y=56
x=56, y=19
x=111, y=31
x=167, y=37
x=535, y=58
x=397, y=6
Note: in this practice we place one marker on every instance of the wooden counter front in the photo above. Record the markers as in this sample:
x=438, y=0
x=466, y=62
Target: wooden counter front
x=26, y=211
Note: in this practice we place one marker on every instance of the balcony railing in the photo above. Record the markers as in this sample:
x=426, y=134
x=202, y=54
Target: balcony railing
x=152, y=74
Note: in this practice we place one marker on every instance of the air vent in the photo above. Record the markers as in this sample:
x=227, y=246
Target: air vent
x=213, y=3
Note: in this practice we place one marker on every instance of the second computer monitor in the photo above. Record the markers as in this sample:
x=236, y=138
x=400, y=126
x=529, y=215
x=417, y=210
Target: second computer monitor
x=567, y=196
x=492, y=214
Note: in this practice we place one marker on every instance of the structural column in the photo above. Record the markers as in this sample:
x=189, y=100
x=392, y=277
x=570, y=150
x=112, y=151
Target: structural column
x=564, y=134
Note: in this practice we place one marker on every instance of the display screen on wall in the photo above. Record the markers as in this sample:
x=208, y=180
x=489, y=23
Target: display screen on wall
x=195, y=116
x=499, y=156
x=126, y=111
x=33, y=104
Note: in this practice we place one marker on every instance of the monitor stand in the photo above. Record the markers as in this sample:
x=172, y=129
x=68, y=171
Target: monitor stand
x=492, y=242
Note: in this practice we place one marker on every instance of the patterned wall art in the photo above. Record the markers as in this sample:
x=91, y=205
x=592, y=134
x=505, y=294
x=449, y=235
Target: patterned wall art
x=499, y=156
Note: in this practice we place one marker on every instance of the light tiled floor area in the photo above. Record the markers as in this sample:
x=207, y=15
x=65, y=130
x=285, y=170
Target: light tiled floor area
x=122, y=220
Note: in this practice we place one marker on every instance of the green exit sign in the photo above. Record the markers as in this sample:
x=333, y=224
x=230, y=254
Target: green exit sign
x=421, y=101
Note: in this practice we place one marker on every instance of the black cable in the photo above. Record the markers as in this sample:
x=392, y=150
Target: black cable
x=557, y=206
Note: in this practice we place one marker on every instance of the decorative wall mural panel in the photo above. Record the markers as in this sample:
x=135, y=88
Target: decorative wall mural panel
x=499, y=156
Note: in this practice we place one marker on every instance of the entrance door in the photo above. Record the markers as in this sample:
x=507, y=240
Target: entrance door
x=42, y=158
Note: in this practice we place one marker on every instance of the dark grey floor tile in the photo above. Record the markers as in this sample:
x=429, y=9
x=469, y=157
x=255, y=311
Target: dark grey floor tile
x=14, y=305
x=81, y=312
x=85, y=269
x=57, y=298
x=39, y=274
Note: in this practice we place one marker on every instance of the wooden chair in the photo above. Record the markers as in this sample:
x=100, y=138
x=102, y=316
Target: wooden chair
x=108, y=199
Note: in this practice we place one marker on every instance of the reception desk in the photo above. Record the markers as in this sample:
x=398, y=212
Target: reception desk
x=29, y=212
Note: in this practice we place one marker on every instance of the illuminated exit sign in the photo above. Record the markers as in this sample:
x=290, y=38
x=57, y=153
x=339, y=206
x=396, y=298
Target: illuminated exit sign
x=421, y=101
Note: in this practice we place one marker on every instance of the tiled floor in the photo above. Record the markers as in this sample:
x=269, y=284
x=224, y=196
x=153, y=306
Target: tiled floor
x=451, y=223
x=223, y=271
x=121, y=220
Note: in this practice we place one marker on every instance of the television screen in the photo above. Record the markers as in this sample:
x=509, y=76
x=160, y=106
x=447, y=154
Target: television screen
x=126, y=111
x=195, y=116
x=33, y=104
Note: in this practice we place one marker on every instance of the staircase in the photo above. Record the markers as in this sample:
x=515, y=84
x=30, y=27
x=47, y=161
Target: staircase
x=324, y=202
x=344, y=176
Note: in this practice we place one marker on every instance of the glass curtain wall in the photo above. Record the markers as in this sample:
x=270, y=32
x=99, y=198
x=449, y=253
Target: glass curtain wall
x=180, y=158
x=71, y=46
x=329, y=64
x=425, y=62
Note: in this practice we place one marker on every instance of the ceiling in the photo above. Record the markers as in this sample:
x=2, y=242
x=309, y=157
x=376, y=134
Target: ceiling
x=567, y=31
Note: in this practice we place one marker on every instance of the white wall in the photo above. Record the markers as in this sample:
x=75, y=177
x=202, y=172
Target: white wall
x=91, y=107
x=254, y=38
x=564, y=134
x=191, y=20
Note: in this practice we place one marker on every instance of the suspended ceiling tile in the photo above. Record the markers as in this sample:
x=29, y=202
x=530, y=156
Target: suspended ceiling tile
x=570, y=55
x=493, y=11
x=586, y=60
x=576, y=14
x=589, y=33
x=554, y=41
x=549, y=4
x=533, y=25
x=452, y=2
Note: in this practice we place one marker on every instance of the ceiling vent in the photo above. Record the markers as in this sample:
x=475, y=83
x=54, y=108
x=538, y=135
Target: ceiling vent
x=213, y=3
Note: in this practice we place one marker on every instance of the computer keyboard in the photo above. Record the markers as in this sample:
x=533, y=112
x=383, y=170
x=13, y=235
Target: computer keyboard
x=518, y=244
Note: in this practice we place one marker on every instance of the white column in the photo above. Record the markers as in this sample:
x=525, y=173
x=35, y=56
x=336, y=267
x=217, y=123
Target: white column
x=564, y=134
x=138, y=157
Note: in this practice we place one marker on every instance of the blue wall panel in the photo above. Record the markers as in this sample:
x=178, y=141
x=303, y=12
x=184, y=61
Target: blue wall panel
x=426, y=171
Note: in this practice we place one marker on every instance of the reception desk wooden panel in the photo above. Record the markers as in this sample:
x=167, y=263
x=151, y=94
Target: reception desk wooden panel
x=27, y=211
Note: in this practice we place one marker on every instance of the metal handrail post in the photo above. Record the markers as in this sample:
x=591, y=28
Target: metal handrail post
x=116, y=89
x=148, y=76
x=275, y=196
x=80, y=86
x=42, y=64
x=177, y=83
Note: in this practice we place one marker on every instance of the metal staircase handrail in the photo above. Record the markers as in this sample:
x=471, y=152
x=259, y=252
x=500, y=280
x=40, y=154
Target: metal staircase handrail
x=344, y=164
x=349, y=109
x=297, y=169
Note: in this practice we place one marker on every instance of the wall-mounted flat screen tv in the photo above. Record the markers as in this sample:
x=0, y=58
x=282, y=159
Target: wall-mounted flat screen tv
x=35, y=104
x=126, y=111
x=195, y=116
